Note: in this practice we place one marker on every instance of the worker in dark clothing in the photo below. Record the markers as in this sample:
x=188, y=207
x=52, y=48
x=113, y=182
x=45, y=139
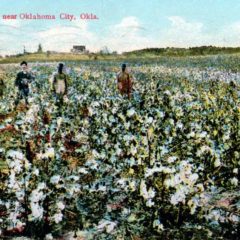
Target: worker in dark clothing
x=22, y=82
x=2, y=87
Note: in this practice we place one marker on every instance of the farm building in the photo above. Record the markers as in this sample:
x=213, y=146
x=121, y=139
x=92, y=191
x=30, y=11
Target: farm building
x=78, y=49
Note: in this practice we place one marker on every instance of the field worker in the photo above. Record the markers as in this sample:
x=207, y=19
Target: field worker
x=22, y=81
x=124, y=82
x=60, y=85
x=2, y=86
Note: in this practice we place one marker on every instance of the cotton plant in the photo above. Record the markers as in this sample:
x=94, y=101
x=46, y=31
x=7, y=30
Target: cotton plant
x=36, y=199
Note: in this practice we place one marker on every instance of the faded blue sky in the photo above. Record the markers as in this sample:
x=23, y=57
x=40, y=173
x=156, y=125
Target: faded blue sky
x=122, y=25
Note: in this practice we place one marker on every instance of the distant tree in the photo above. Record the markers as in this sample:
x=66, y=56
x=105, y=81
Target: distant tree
x=105, y=51
x=39, y=48
x=48, y=53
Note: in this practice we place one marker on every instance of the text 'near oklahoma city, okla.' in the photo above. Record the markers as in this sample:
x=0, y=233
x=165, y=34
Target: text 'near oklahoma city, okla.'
x=62, y=16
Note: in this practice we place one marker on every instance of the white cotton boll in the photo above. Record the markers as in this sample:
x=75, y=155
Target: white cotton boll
x=217, y=163
x=235, y=170
x=151, y=193
x=95, y=153
x=82, y=170
x=57, y=217
x=144, y=193
x=118, y=151
x=149, y=203
x=102, y=224
x=13, y=217
x=191, y=134
x=149, y=172
x=73, y=178
x=127, y=125
x=41, y=186
x=11, y=164
x=112, y=119
x=40, y=156
x=36, y=196
x=171, y=121
x=164, y=150
x=193, y=177
x=126, y=211
x=102, y=188
x=200, y=187
x=126, y=138
x=160, y=114
x=121, y=182
x=114, y=110
x=177, y=197
x=20, y=195
x=36, y=171
x=130, y=112
x=167, y=92
x=215, y=214
x=49, y=237
x=90, y=111
x=7, y=205
x=234, y=181
x=15, y=154
x=133, y=150
x=226, y=137
x=168, y=170
x=75, y=188
x=50, y=153
x=183, y=165
x=234, y=218
x=62, y=149
x=27, y=165
x=59, y=122
x=157, y=224
x=60, y=205
x=172, y=159
x=29, y=118
x=149, y=120
x=177, y=180
x=110, y=227
x=174, y=199
x=143, y=189
x=179, y=125
x=203, y=134
x=167, y=183
x=193, y=209
x=12, y=180
x=55, y=179
x=132, y=186
x=18, y=166
x=37, y=210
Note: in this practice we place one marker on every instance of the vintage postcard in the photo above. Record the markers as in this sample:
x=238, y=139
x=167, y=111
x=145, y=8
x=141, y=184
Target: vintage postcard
x=119, y=120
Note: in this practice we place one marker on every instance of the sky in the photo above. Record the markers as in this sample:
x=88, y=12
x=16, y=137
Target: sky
x=121, y=25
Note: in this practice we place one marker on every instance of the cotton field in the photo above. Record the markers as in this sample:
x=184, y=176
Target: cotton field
x=161, y=165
